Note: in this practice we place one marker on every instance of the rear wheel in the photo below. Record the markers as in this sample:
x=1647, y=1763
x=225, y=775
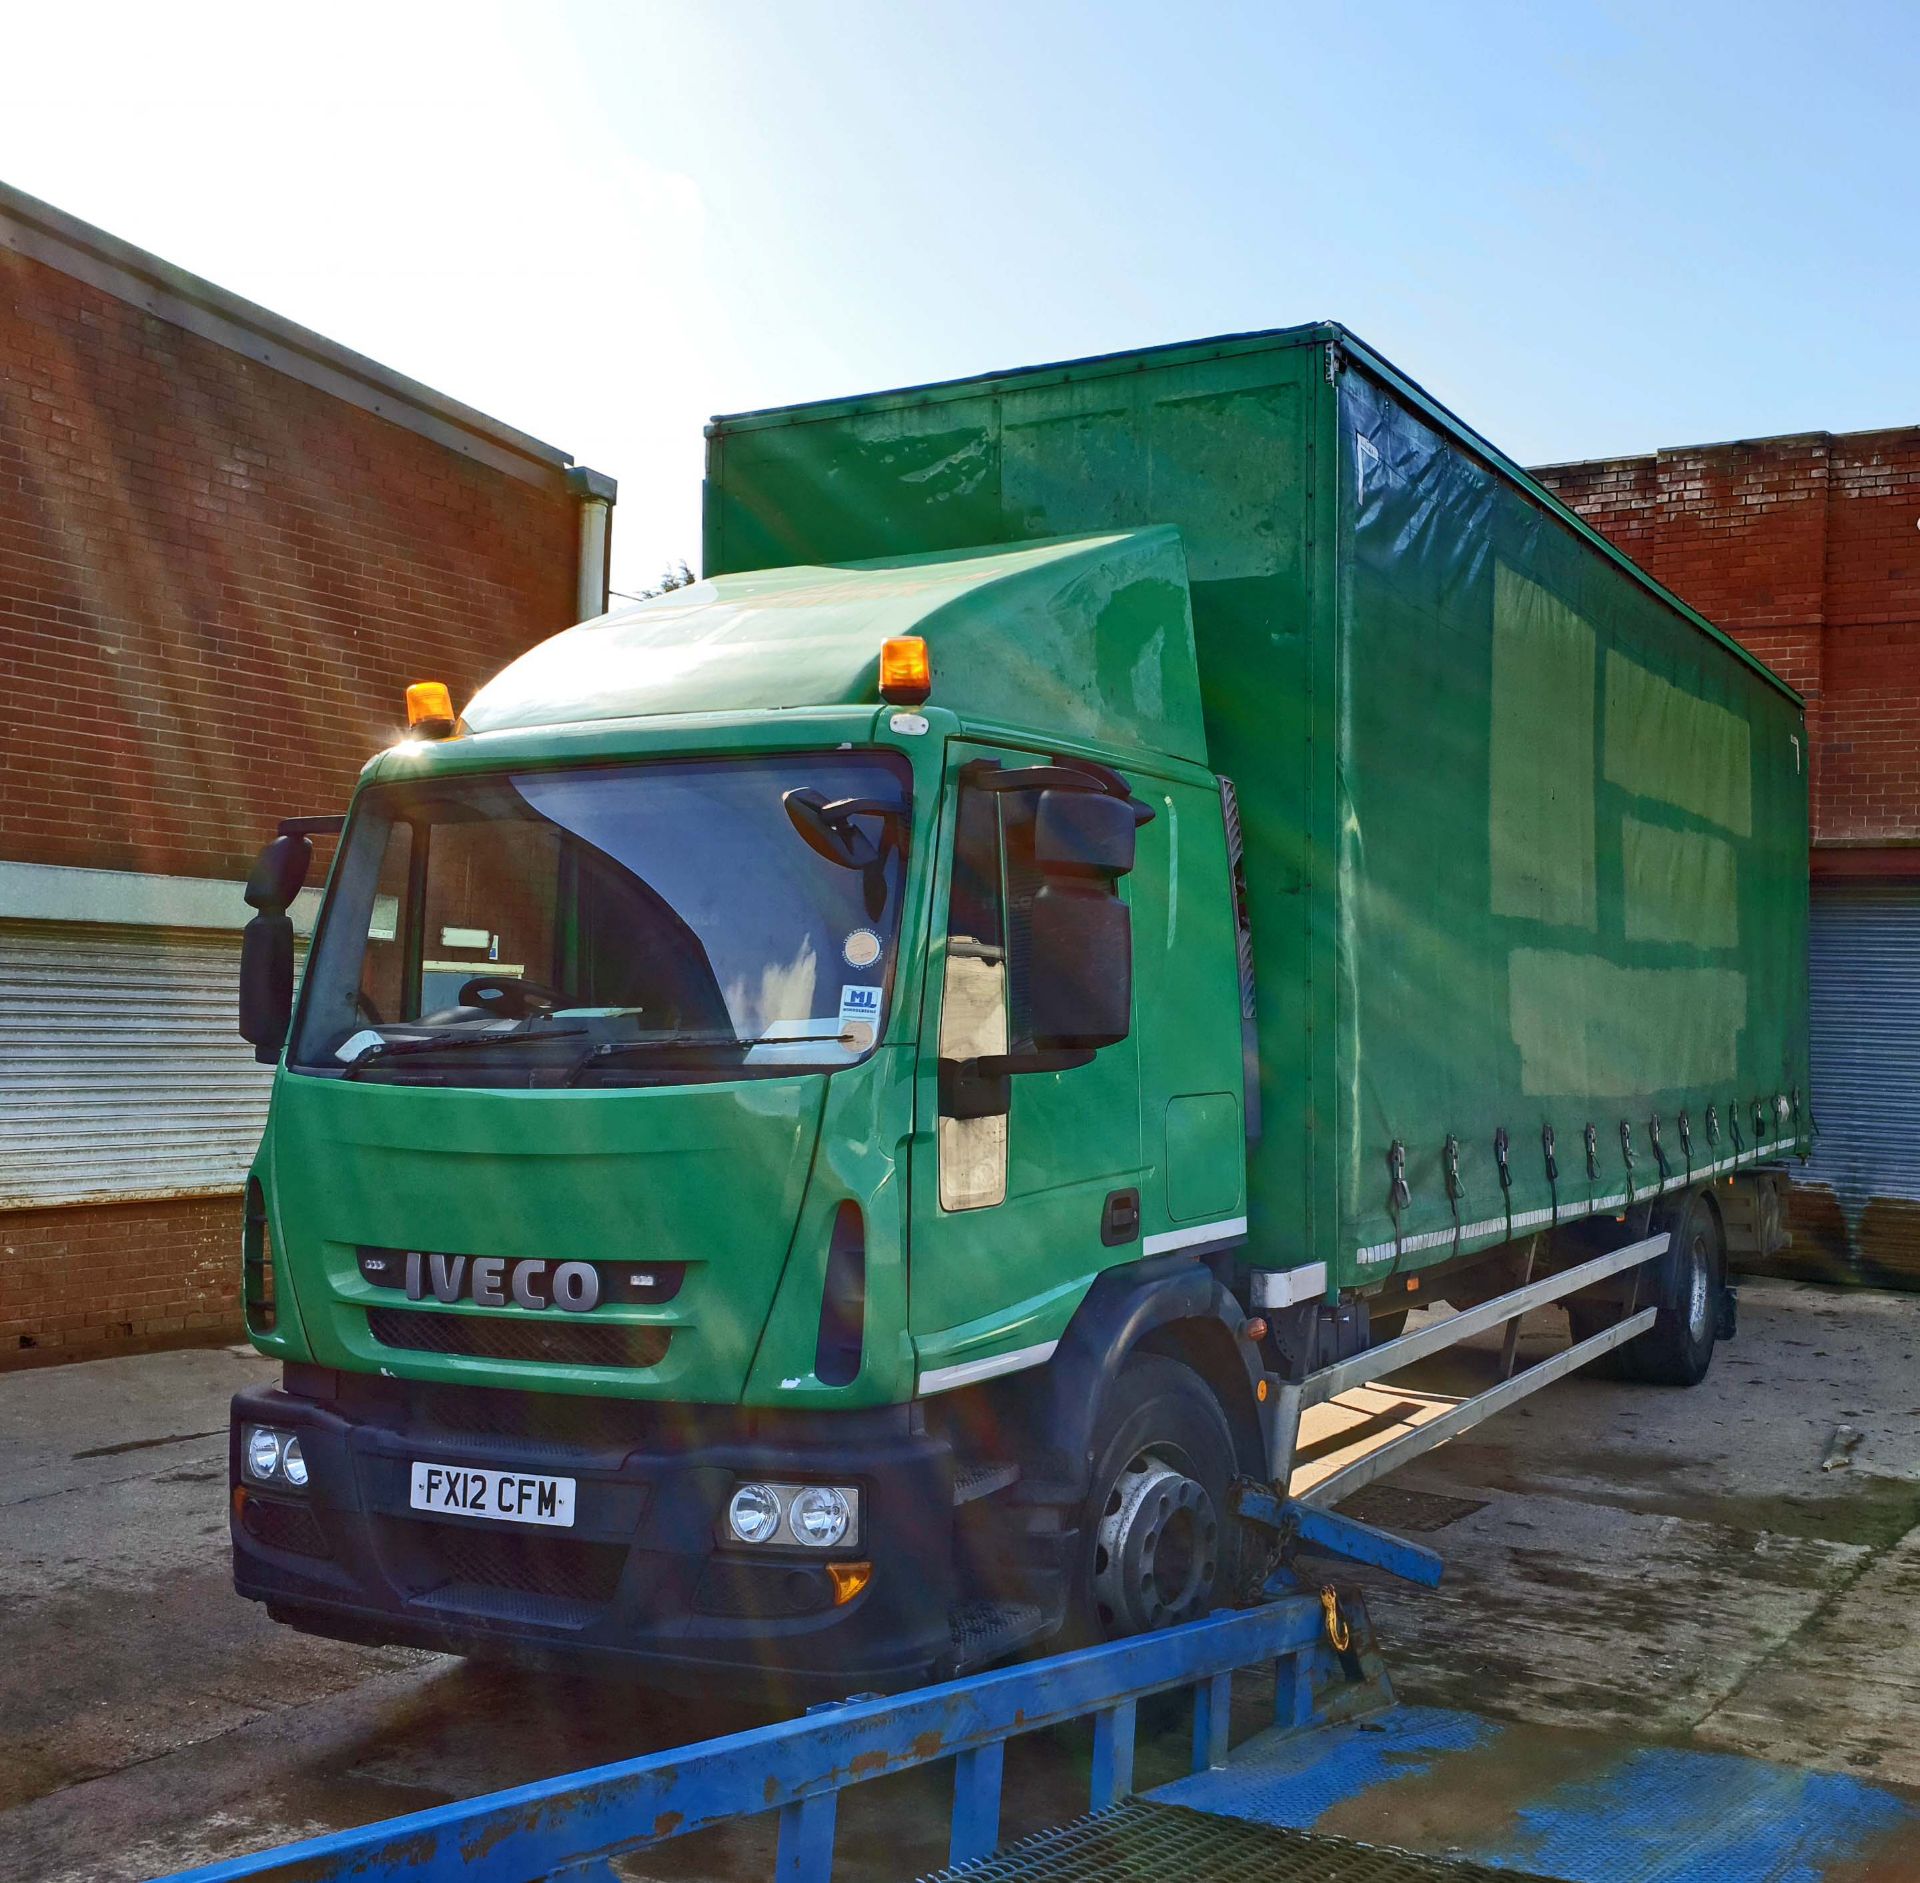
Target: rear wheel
x=1678, y=1348
x=1156, y=1531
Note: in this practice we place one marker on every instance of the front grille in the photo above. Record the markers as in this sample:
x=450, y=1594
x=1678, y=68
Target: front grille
x=530, y=1565
x=506, y=1337
x=550, y=1418
x=289, y=1527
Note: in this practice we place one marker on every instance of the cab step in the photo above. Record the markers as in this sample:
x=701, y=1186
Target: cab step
x=975, y=1481
x=984, y=1632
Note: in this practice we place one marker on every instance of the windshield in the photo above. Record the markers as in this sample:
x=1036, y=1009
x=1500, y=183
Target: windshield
x=683, y=919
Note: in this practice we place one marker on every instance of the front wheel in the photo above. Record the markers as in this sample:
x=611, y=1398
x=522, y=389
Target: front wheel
x=1157, y=1533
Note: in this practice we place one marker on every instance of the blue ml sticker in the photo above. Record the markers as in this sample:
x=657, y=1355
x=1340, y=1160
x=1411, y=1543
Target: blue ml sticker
x=859, y=1015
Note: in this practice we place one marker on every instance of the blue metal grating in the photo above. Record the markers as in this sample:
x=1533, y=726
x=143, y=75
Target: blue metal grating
x=1635, y=1814
x=1138, y=1842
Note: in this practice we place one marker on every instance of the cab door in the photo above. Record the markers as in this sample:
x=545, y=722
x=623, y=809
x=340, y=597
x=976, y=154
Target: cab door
x=1018, y=1198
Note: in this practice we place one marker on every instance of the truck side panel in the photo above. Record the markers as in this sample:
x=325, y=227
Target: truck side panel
x=1573, y=859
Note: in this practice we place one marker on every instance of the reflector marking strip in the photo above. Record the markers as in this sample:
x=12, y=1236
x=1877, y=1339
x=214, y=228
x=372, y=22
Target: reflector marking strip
x=1569, y=1212
x=1200, y=1232
x=943, y=1379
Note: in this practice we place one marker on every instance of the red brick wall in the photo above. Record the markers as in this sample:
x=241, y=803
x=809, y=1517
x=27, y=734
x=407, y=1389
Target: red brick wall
x=79, y=1283
x=215, y=583
x=1807, y=549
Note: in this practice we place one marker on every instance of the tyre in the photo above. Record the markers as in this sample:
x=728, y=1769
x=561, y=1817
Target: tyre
x=1157, y=1534
x=1678, y=1348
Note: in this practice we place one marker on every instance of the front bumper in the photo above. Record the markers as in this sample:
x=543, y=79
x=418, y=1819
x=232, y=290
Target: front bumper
x=639, y=1581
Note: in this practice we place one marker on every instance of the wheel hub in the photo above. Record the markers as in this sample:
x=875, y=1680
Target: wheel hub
x=1157, y=1549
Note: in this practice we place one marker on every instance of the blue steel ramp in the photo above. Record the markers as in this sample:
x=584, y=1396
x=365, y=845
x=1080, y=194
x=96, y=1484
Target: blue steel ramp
x=1573, y=1806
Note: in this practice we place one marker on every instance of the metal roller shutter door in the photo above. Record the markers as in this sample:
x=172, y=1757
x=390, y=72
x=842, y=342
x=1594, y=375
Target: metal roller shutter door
x=121, y=1074
x=1858, y=1199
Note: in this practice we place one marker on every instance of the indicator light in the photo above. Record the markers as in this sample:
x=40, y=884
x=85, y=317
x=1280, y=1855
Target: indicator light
x=906, y=672
x=848, y=1580
x=430, y=710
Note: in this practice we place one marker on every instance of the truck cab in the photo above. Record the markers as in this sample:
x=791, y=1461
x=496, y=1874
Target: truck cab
x=732, y=1060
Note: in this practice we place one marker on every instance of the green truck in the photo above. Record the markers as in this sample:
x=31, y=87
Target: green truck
x=835, y=1117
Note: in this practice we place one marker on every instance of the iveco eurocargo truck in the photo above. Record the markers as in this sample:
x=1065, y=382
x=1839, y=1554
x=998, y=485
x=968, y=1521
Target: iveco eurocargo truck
x=835, y=1116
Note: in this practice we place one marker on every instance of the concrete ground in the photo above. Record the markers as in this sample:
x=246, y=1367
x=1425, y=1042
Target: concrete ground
x=1625, y=1561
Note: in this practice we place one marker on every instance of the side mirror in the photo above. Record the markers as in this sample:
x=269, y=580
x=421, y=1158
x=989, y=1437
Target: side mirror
x=1083, y=834
x=266, y=981
x=1079, y=969
x=278, y=872
x=1071, y=967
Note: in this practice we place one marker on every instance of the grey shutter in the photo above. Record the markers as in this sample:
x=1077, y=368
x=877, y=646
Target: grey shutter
x=121, y=1073
x=1864, y=970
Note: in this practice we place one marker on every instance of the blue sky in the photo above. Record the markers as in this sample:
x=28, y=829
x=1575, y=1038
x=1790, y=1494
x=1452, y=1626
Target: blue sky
x=1590, y=228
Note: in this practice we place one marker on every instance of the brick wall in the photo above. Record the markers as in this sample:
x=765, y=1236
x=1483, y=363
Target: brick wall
x=215, y=582
x=123, y=1278
x=1807, y=549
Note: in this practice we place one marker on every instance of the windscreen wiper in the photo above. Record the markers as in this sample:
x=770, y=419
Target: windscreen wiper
x=666, y=1042
x=441, y=1043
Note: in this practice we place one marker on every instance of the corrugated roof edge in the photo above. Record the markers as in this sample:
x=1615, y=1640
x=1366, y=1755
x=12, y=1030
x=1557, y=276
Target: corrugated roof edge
x=1312, y=333
x=61, y=241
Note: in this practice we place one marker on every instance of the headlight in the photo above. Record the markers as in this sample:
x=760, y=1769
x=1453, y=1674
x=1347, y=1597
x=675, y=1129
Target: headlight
x=821, y=1516
x=754, y=1514
x=263, y=1452
x=779, y=1516
x=272, y=1457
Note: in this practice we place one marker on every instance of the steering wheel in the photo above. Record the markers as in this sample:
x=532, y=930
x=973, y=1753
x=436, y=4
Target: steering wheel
x=508, y=996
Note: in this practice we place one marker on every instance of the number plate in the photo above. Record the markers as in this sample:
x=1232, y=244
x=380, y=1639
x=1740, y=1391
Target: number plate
x=502, y=1496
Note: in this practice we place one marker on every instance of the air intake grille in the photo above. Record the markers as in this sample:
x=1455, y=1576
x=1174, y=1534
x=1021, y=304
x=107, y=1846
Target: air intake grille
x=500, y=1337
x=289, y=1527
x=530, y=1565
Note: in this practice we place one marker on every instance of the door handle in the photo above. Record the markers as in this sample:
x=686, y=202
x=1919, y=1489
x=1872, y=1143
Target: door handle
x=1120, y=1219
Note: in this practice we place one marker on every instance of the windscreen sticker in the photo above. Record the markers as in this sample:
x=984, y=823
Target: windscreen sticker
x=859, y=1015
x=861, y=949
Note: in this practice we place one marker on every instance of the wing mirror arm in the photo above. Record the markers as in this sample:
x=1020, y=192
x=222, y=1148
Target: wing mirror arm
x=981, y=1088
